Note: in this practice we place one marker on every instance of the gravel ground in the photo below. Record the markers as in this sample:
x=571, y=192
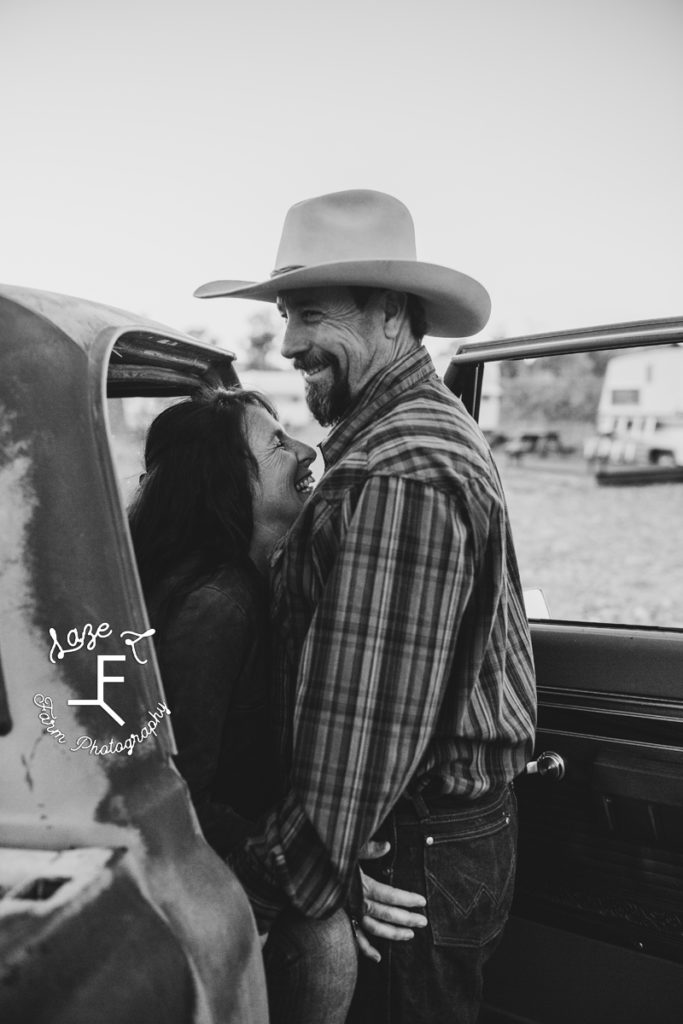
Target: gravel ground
x=601, y=554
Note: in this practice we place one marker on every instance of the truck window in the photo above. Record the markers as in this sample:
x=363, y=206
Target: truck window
x=590, y=450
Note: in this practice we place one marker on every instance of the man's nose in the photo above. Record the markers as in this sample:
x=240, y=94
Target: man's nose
x=292, y=343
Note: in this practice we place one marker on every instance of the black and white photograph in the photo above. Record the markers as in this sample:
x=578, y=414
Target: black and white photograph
x=341, y=498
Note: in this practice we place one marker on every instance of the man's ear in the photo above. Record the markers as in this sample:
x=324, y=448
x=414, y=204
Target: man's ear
x=394, y=312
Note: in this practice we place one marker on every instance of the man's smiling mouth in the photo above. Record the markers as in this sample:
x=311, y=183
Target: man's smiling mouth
x=312, y=368
x=315, y=371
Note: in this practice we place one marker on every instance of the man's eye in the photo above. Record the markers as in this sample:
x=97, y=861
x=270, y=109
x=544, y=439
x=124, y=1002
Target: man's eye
x=310, y=316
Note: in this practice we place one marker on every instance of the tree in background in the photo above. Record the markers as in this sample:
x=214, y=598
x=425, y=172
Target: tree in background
x=204, y=335
x=263, y=328
x=553, y=388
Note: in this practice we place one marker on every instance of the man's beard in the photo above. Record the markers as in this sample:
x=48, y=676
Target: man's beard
x=329, y=402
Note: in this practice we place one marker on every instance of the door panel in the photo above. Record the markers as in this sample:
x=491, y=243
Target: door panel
x=596, y=935
x=597, y=931
x=570, y=979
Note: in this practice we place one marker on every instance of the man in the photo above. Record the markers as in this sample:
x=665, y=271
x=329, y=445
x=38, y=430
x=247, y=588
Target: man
x=405, y=678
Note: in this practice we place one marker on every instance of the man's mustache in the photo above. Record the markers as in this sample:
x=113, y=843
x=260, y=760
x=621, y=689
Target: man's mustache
x=313, y=361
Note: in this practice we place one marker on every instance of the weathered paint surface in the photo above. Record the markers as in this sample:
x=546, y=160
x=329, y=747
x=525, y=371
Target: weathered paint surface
x=65, y=561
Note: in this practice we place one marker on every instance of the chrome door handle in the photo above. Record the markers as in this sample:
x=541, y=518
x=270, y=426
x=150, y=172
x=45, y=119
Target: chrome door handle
x=549, y=765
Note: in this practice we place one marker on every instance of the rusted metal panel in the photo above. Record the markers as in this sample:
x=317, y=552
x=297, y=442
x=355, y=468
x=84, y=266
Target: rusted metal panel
x=79, y=774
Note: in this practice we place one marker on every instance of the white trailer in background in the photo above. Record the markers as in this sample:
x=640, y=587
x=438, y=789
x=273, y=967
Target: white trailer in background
x=640, y=414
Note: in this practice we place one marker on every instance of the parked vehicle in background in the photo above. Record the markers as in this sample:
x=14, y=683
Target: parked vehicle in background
x=596, y=934
x=112, y=906
x=640, y=417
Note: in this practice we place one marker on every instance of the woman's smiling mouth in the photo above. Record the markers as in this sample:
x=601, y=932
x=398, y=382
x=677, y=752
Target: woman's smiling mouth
x=305, y=485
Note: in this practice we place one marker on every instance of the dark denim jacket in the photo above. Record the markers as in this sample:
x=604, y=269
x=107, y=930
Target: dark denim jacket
x=214, y=657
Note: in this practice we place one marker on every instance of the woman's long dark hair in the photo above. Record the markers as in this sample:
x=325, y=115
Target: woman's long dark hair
x=193, y=511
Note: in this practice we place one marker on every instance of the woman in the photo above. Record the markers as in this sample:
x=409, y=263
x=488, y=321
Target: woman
x=223, y=482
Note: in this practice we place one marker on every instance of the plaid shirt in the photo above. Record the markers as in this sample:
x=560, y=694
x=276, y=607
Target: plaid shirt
x=403, y=651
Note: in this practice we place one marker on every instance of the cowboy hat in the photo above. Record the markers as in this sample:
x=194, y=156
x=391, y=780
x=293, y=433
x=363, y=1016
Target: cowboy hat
x=361, y=237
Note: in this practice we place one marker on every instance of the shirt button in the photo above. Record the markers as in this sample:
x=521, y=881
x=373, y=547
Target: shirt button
x=429, y=841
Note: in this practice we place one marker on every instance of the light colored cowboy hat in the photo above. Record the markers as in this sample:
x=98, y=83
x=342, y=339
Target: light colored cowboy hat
x=360, y=237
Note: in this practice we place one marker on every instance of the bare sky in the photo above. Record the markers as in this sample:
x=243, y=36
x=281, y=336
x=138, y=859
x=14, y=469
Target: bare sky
x=151, y=145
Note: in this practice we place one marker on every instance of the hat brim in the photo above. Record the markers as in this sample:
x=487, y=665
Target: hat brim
x=456, y=306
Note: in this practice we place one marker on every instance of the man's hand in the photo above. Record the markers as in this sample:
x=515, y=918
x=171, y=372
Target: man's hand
x=388, y=913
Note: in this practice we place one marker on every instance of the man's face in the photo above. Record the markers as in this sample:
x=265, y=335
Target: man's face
x=338, y=347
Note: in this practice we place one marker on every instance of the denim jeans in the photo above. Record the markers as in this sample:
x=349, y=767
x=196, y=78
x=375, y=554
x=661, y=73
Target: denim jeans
x=462, y=857
x=310, y=969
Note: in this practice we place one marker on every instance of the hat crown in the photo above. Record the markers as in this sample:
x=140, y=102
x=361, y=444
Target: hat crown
x=358, y=224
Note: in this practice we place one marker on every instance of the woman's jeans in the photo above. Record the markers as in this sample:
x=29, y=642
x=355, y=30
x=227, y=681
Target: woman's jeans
x=310, y=969
x=462, y=857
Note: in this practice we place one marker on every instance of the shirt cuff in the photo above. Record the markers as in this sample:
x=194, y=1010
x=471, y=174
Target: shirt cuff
x=265, y=897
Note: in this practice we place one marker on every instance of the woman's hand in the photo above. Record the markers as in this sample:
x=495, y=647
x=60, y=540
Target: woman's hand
x=388, y=913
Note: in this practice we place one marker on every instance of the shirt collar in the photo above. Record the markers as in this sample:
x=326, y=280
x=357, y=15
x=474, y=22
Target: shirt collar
x=398, y=377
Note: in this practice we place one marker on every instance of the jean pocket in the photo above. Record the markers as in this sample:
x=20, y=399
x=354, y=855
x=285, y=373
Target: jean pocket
x=469, y=877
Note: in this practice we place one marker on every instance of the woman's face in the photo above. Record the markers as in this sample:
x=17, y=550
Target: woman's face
x=285, y=480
